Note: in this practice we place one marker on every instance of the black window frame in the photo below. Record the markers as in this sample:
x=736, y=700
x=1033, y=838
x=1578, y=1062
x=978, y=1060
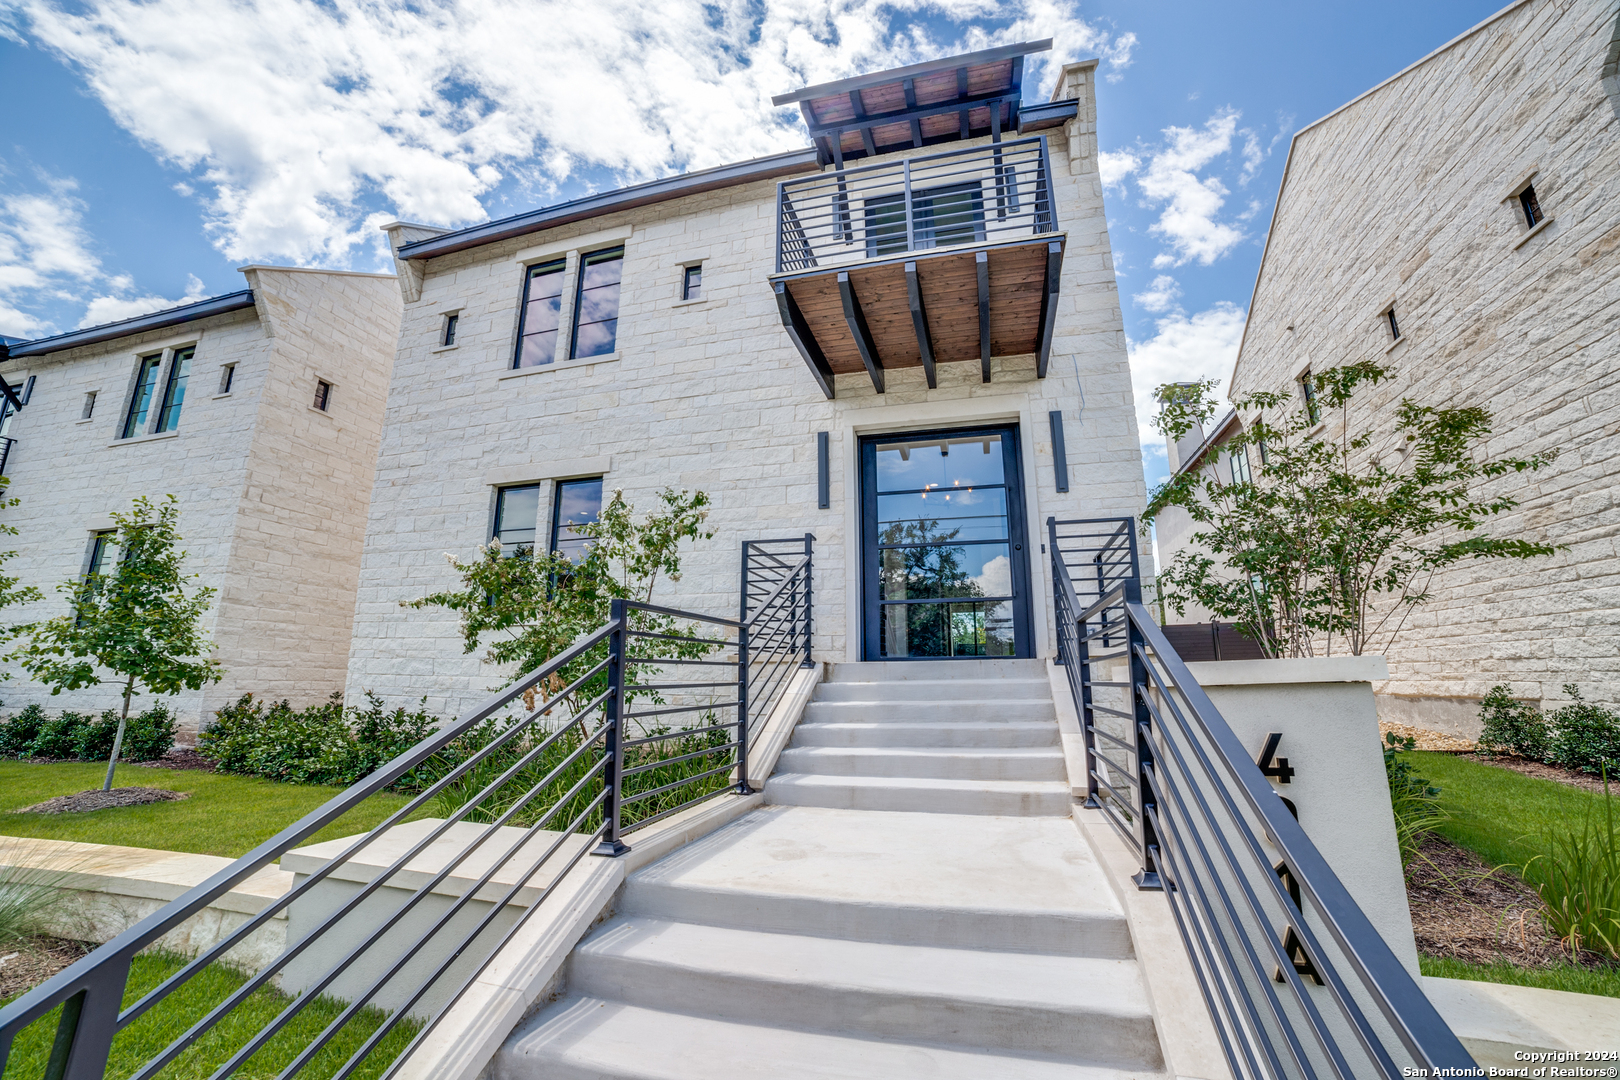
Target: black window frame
x=447, y=335
x=497, y=522
x=557, y=524
x=692, y=289
x=175, y=383
x=1394, y=325
x=1313, y=408
x=530, y=273
x=323, y=396
x=885, y=219
x=227, y=378
x=1530, y=203
x=89, y=405
x=139, y=413
x=1233, y=457
x=587, y=259
x=95, y=558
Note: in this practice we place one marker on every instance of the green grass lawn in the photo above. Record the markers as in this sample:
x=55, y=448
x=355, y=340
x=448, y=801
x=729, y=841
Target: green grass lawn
x=225, y=815
x=1576, y=980
x=1503, y=816
x=144, y=1038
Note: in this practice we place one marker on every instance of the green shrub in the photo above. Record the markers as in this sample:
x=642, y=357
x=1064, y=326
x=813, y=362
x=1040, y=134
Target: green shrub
x=1509, y=726
x=149, y=735
x=59, y=736
x=1413, y=800
x=17, y=734
x=323, y=744
x=1585, y=736
x=1579, y=880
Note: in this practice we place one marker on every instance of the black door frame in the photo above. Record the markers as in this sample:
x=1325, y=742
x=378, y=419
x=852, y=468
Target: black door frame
x=1017, y=535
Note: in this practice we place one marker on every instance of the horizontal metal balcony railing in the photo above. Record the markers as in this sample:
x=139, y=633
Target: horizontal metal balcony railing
x=1297, y=981
x=648, y=715
x=975, y=195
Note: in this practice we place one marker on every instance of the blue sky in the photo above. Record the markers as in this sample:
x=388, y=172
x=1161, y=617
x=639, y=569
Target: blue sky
x=148, y=150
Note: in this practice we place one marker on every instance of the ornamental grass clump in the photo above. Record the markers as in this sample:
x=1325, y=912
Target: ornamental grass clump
x=1579, y=882
x=1413, y=800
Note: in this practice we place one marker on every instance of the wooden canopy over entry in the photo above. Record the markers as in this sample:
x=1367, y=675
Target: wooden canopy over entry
x=923, y=310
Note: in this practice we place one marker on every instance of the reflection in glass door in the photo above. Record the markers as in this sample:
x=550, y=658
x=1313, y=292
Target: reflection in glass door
x=945, y=573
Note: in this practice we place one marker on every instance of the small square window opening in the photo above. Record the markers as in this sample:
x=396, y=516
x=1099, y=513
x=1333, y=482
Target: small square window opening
x=89, y=405
x=1394, y=326
x=1532, y=206
x=227, y=375
x=323, y=395
x=448, y=338
x=692, y=283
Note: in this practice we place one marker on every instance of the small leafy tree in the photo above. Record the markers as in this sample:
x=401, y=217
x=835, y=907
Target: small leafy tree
x=1332, y=536
x=523, y=607
x=137, y=621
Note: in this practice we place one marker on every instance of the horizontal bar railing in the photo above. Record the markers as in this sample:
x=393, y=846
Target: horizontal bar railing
x=646, y=716
x=1296, y=979
x=971, y=195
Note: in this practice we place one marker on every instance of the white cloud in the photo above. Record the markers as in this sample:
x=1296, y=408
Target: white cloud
x=298, y=119
x=1115, y=166
x=1202, y=346
x=996, y=580
x=1160, y=295
x=1188, y=221
x=119, y=305
x=44, y=252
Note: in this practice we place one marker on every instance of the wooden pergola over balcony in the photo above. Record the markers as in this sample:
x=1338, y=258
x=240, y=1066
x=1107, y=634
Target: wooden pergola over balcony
x=947, y=257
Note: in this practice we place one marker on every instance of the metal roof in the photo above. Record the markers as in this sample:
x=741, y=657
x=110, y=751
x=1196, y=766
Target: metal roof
x=202, y=309
x=672, y=187
x=928, y=67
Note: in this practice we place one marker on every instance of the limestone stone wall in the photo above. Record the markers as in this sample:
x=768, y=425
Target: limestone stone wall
x=704, y=395
x=1406, y=198
x=272, y=495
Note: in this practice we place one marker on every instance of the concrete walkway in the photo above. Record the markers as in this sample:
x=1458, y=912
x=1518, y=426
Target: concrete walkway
x=914, y=903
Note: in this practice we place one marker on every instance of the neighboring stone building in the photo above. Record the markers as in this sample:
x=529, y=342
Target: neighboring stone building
x=1461, y=224
x=669, y=334
x=261, y=412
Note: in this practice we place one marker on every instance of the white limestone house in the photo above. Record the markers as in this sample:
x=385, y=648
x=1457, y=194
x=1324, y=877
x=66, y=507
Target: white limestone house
x=893, y=325
x=1460, y=223
x=261, y=412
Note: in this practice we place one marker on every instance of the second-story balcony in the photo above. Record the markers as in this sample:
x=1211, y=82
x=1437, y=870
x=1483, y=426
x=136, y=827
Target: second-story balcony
x=938, y=258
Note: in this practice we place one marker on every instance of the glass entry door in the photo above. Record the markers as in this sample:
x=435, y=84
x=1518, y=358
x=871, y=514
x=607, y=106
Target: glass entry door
x=945, y=574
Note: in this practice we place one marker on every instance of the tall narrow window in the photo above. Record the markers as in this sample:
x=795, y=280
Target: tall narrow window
x=174, y=392
x=692, y=283
x=227, y=376
x=578, y=502
x=103, y=548
x=89, y=405
x=323, y=395
x=1531, y=205
x=596, y=314
x=7, y=413
x=146, y=377
x=448, y=338
x=516, y=511
x=1394, y=324
x=542, y=312
x=1239, y=458
x=1308, y=386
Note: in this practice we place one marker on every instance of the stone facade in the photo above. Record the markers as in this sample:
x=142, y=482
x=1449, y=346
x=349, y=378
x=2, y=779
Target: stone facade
x=1408, y=198
x=272, y=491
x=706, y=395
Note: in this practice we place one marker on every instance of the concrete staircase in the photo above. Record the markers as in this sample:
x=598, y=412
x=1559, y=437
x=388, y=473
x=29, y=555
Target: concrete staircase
x=914, y=903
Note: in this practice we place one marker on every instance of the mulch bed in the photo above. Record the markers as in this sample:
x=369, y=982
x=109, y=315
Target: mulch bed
x=27, y=963
x=97, y=799
x=1463, y=909
x=181, y=757
x=1541, y=770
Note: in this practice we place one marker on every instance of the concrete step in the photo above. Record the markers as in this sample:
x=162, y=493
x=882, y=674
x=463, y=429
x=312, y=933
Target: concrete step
x=936, y=670
x=940, y=690
x=1001, y=883
x=988, y=709
x=875, y=733
x=1012, y=798
x=583, y=1038
x=1079, y=1008
x=978, y=763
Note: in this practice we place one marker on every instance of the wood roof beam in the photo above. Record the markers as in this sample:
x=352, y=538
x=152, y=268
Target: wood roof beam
x=1049, y=302
x=798, y=331
x=919, y=323
x=856, y=319
x=982, y=266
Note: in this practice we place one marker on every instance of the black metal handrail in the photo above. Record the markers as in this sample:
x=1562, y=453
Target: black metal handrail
x=1166, y=770
x=6, y=442
x=638, y=720
x=975, y=195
